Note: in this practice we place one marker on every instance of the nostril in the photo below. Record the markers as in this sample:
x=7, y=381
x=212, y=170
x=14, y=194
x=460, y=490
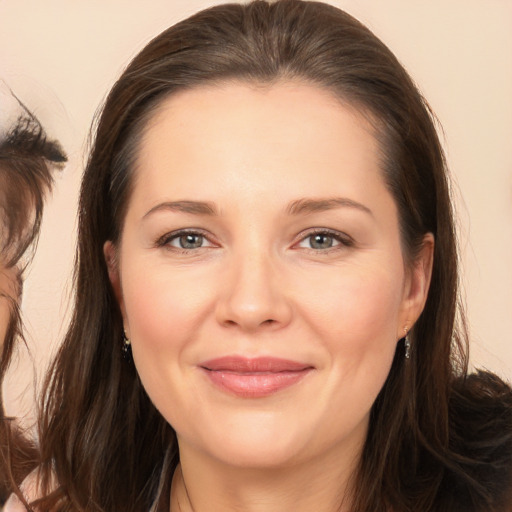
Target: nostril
x=268, y=322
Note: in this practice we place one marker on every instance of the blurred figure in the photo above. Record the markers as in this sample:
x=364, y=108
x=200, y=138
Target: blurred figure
x=27, y=160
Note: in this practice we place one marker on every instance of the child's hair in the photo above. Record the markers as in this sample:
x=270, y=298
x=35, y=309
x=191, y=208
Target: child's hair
x=27, y=162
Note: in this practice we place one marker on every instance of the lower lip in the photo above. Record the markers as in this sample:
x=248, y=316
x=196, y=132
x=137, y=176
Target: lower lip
x=255, y=385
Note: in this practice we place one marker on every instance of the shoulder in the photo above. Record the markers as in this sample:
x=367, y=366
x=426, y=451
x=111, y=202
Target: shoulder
x=480, y=476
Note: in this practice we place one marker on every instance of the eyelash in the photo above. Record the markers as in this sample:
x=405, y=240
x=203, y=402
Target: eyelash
x=344, y=240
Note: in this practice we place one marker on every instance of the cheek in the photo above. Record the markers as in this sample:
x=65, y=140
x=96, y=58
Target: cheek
x=164, y=313
x=9, y=292
x=164, y=309
x=355, y=318
x=364, y=338
x=158, y=306
x=4, y=319
x=357, y=308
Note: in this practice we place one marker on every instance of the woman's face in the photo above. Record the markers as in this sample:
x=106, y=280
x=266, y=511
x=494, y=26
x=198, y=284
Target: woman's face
x=260, y=273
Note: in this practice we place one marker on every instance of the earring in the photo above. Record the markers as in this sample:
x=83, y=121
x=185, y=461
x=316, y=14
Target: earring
x=407, y=344
x=126, y=349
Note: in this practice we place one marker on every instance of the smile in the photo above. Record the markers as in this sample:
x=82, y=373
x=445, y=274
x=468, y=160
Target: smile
x=256, y=377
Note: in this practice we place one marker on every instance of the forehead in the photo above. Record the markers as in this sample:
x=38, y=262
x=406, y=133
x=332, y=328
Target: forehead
x=249, y=106
x=243, y=131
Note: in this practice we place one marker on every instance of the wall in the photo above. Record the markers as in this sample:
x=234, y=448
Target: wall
x=61, y=58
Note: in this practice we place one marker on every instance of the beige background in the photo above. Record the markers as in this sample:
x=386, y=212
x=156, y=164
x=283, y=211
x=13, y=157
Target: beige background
x=62, y=56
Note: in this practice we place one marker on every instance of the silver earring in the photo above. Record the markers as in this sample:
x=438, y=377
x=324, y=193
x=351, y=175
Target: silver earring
x=126, y=349
x=407, y=344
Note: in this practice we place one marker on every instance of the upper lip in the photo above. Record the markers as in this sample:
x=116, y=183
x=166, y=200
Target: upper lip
x=240, y=364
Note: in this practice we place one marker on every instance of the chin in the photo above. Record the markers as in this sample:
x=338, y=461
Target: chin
x=252, y=441
x=260, y=454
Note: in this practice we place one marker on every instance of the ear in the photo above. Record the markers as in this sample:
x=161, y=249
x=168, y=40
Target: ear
x=112, y=261
x=417, y=284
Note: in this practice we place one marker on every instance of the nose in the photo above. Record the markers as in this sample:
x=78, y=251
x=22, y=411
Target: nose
x=253, y=296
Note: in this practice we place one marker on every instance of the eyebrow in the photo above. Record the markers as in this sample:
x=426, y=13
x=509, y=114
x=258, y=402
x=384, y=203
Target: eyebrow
x=305, y=206
x=297, y=207
x=193, y=207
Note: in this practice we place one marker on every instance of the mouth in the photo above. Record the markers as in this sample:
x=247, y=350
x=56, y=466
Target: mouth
x=254, y=377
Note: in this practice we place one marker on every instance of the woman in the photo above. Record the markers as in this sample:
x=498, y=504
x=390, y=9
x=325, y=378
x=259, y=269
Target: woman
x=266, y=292
x=27, y=159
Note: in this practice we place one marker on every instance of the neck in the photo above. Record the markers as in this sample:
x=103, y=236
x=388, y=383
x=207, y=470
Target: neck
x=206, y=485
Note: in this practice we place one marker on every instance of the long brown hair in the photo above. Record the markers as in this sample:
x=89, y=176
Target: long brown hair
x=101, y=436
x=27, y=160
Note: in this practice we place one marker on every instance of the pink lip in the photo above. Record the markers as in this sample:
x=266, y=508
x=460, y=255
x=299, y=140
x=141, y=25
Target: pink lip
x=256, y=377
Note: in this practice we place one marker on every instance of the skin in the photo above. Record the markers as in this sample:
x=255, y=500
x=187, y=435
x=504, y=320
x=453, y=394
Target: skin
x=8, y=292
x=268, y=161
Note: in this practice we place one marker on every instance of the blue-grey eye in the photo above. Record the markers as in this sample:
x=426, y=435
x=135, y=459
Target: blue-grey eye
x=190, y=241
x=324, y=240
x=321, y=241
